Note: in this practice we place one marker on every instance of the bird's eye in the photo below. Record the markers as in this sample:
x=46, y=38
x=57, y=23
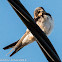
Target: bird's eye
x=38, y=11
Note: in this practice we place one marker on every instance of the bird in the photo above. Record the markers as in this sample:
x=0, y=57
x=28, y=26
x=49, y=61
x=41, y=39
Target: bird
x=44, y=20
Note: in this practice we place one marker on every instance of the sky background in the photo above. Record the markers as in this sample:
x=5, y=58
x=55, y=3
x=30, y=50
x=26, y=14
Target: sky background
x=12, y=29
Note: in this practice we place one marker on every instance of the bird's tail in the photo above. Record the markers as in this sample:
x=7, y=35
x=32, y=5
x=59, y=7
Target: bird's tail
x=17, y=45
x=14, y=47
x=10, y=46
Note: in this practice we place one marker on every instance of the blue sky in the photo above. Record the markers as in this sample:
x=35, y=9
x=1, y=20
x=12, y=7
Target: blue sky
x=12, y=29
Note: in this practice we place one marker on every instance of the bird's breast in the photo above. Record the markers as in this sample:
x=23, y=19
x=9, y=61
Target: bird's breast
x=46, y=24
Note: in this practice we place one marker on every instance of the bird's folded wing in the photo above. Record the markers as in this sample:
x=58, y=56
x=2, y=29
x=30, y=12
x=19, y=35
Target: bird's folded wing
x=18, y=45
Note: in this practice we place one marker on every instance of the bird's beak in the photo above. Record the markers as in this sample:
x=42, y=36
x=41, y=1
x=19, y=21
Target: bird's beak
x=40, y=14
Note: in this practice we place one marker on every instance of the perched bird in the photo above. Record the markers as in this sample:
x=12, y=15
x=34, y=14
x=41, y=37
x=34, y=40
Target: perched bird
x=44, y=20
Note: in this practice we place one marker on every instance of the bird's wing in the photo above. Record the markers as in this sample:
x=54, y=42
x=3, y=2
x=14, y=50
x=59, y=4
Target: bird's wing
x=18, y=44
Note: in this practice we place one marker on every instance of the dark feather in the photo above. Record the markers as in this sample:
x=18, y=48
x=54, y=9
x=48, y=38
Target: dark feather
x=11, y=45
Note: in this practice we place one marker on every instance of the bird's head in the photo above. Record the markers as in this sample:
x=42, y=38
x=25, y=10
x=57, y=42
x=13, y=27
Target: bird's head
x=38, y=12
